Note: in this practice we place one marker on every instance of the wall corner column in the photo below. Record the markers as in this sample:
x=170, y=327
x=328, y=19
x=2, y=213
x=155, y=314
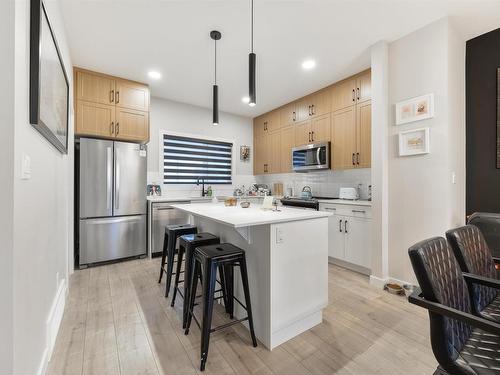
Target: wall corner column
x=380, y=160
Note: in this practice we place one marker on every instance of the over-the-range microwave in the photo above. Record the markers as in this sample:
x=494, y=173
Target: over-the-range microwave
x=311, y=157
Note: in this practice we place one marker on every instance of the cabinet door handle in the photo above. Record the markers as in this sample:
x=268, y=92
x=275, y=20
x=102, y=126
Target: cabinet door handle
x=313, y=110
x=353, y=155
x=353, y=96
x=358, y=92
x=294, y=117
x=312, y=136
x=357, y=158
x=112, y=96
x=112, y=127
x=359, y=211
x=117, y=128
x=345, y=226
x=117, y=97
x=330, y=209
x=340, y=226
x=309, y=110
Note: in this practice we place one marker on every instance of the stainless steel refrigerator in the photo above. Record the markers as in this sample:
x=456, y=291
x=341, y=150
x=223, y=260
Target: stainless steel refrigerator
x=112, y=200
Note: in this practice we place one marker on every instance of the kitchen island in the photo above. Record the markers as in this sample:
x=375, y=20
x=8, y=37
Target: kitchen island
x=287, y=260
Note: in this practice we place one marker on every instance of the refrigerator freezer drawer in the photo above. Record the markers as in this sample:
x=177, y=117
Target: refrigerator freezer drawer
x=112, y=238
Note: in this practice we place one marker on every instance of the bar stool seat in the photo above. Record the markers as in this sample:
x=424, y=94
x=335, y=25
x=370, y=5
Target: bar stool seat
x=187, y=244
x=206, y=261
x=172, y=233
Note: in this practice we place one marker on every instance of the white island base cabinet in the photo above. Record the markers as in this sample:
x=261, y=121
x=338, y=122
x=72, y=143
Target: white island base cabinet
x=350, y=232
x=287, y=265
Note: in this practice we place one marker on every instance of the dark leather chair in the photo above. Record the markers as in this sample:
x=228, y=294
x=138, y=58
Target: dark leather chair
x=463, y=343
x=489, y=224
x=474, y=257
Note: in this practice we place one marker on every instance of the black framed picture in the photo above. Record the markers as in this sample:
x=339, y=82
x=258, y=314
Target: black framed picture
x=49, y=87
x=498, y=118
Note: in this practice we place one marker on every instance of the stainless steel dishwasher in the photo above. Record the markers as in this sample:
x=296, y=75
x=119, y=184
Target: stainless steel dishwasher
x=163, y=214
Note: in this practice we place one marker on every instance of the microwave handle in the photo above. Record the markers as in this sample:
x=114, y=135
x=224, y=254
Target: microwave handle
x=318, y=153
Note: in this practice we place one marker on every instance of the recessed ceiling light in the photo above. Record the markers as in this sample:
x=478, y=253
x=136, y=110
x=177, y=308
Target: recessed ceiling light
x=308, y=64
x=245, y=99
x=154, y=74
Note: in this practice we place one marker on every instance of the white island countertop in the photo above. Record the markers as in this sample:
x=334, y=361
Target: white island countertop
x=239, y=217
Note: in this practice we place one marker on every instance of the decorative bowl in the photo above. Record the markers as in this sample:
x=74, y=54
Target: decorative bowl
x=245, y=204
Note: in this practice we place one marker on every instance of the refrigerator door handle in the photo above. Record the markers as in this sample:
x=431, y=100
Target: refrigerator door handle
x=109, y=176
x=117, y=178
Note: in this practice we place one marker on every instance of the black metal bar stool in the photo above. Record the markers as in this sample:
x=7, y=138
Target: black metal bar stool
x=206, y=261
x=187, y=244
x=172, y=232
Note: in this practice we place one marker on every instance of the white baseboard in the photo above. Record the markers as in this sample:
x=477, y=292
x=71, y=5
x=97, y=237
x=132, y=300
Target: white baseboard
x=53, y=323
x=378, y=282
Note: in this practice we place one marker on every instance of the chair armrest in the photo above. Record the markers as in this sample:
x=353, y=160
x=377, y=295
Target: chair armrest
x=486, y=281
x=440, y=309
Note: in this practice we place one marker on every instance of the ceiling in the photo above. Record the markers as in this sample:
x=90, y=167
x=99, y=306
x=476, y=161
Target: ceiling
x=128, y=38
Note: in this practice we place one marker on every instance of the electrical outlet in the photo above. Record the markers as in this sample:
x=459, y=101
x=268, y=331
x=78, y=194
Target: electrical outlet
x=279, y=235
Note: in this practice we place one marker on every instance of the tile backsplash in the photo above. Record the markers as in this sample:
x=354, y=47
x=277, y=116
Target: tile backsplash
x=324, y=183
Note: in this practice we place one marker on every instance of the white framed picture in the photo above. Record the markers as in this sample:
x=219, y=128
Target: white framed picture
x=415, y=109
x=414, y=142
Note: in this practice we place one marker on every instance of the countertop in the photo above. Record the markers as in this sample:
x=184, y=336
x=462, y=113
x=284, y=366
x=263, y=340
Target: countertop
x=164, y=198
x=347, y=202
x=239, y=217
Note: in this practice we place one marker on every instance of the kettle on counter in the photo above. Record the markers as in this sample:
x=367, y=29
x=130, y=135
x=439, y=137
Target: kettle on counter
x=306, y=192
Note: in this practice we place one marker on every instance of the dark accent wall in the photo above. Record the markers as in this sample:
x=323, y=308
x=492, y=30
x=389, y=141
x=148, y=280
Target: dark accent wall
x=482, y=176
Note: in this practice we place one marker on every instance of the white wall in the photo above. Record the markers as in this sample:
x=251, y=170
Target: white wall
x=43, y=212
x=7, y=26
x=423, y=202
x=187, y=119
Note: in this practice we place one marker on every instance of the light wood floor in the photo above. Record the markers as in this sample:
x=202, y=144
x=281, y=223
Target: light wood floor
x=117, y=321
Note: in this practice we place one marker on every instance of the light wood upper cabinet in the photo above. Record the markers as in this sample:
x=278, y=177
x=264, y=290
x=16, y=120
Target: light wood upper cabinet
x=343, y=94
x=364, y=134
x=303, y=133
x=320, y=129
x=320, y=103
x=131, y=125
x=340, y=113
x=274, y=153
x=363, y=87
x=132, y=95
x=288, y=114
x=313, y=105
x=94, y=119
x=94, y=88
x=260, y=154
x=344, y=138
x=111, y=107
x=287, y=143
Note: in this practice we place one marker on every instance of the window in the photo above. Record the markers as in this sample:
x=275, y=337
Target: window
x=185, y=160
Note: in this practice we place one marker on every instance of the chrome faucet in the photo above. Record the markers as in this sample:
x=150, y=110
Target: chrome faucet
x=203, y=191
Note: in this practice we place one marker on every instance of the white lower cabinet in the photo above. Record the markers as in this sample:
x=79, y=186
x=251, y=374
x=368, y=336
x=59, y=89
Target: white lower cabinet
x=350, y=235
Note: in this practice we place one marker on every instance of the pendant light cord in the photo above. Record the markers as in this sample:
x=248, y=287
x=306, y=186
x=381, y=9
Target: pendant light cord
x=215, y=73
x=252, y=26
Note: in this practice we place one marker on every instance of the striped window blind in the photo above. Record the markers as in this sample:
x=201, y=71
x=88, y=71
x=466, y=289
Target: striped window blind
x=185, y=160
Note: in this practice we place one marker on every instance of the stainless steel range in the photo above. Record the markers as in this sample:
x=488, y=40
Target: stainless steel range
x=306, y=203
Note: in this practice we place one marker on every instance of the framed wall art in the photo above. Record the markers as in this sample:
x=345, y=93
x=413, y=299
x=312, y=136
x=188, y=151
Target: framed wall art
x=414, y=142
x=49, y=87
x=415, y=109
x=498, y=120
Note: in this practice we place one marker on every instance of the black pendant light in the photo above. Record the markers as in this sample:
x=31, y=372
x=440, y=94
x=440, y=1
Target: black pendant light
x=251, y=72
x=215, y=35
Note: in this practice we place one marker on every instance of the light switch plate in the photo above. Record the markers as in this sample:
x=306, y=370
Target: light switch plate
x=26, y=167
